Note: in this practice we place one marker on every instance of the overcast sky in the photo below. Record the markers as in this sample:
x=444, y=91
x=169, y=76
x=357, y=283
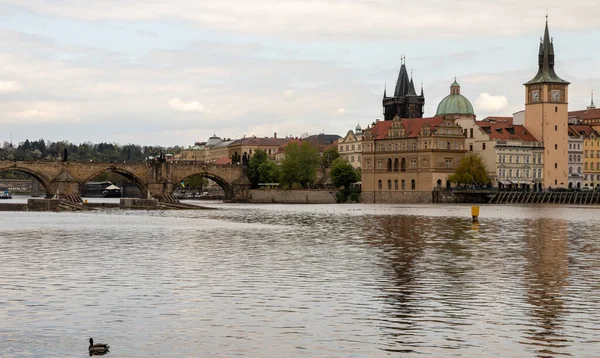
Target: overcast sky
x=173, y=72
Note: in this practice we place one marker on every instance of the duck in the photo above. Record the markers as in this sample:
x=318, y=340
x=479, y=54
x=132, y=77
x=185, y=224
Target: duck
x=98, y=349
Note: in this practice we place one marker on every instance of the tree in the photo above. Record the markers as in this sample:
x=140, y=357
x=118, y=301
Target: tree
x=259, y=157
x=300, y=164
x=329, y=155
x=471, y=170
x=343, y=173
x=268, y=172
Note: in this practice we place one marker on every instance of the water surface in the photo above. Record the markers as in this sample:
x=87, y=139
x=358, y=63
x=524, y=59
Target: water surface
x=303, y=281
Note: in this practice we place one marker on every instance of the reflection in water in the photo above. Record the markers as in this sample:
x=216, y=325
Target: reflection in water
x=296, y=281
x=547, y=271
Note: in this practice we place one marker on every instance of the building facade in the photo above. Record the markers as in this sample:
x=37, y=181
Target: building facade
x=546, y=115
x=576, y=148
x=350, y=147
x=407, y=156
x=519, y=163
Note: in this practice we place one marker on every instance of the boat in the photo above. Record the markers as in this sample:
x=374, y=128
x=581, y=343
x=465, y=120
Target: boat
x=5, y=195
x=112, y=191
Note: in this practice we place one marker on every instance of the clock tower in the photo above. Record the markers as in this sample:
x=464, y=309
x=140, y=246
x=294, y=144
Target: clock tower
x=546, y=115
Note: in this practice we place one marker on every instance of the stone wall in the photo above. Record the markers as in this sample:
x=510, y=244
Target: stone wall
x=396, y=197
x=292, y=196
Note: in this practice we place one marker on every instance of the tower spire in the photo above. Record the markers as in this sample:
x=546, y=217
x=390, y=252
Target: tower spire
x=385, y=91
x=546, y=72
x=422, y=89
x=592, y=106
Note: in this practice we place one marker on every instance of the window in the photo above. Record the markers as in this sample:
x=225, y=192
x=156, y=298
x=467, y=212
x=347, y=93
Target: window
x=555, y=165
x=570, y=158
x=578, y=170
x=413, y=146
x=368, y=165
x=389, y=184
x=389, y=164
x=510, y=173
x=556, y=147
x=347, y=147
x=403, y=184
x=534, y=176
x=556, y=111
x=510, y=158
x=570, y=170
x=352, y=159
x=540, y=173
x=359, y=147
x=413, y=184
x=359, y=158
x=413, y=163
x=471, y=147
x=471, y=132
x=555, y=128
x=517, y=159
x=448, y=163
x=517, y=173
x=597, y=166
x=586, y=166
x=483, y=146
x=250, y=150
x=396, y=184
x=379, y=164
x=397, y=146
x=352, y=146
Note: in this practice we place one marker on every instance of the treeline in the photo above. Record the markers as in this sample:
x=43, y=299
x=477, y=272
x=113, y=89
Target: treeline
x=102, y=152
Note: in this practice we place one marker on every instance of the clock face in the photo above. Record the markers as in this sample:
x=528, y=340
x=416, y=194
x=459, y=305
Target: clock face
x=535, y=96
x=555, y=96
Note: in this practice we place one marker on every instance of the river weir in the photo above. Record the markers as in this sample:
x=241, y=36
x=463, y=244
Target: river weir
x=303, y=280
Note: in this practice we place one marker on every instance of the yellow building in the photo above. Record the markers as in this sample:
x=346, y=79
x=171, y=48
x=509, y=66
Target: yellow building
x=591, y=159
x=404, y=159
x=350, y=147
x=546, y=115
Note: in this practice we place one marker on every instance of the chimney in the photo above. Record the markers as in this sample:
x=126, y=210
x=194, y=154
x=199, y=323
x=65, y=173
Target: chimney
x=275, y=135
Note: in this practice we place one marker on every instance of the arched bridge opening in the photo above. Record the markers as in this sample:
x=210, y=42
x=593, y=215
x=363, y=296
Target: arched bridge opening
x=195, y=185
x=30, y=175
x=129, y=184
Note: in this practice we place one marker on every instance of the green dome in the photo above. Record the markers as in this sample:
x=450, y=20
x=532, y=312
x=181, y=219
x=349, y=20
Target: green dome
x=455, y=103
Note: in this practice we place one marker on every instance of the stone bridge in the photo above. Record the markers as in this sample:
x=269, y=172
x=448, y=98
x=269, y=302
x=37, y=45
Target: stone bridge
x=154, y=178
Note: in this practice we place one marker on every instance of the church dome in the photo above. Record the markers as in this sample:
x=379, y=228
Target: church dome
x=455, y=103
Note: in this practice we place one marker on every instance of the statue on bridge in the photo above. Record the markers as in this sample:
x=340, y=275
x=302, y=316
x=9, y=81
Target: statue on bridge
x=245, y=160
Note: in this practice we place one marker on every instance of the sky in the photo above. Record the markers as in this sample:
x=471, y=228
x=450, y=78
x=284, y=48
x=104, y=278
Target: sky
x=167, y=73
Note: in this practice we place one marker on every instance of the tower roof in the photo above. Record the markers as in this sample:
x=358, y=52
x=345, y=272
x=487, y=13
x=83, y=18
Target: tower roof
x=592, y=106
x=455, y=103
x=411, y=89
x=402, y=85
x=546, y=72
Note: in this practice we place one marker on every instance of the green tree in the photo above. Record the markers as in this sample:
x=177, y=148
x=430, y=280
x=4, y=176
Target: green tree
x=471, y=170
x=329, y=155
x=300, y=164
x=259, y=157
x=268, y=172
x=343, y=173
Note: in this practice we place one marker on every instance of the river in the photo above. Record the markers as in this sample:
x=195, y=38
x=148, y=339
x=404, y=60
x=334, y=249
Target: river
x=302, y=281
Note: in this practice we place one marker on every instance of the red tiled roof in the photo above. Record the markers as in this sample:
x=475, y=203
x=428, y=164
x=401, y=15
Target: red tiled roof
x=593, y=113
x=222, y=161
x=506, y=131
x=412, y=126
x=508, y=120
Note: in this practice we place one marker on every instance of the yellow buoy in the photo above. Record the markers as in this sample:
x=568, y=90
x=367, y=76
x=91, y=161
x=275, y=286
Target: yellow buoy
x=85, y=201
x=475, y=213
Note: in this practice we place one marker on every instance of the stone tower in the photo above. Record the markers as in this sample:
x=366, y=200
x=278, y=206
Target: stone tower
x=546, y=115
x=405, y=103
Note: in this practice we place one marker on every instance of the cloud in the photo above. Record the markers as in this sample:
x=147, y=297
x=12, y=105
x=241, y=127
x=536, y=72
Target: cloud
x=340, y=111
x=181, y=106
x=10, y=86
x=487, y=103
x=40, y=112
x=333, y=18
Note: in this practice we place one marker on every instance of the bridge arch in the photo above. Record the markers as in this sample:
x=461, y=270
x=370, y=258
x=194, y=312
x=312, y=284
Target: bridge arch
x=44, y=181
x=125, y=173
x=224, y=184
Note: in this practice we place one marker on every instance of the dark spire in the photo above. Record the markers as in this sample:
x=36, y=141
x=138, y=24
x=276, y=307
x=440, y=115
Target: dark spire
x=411, y=88
x=546, y=61
x=402, y=85
x=422, y=89
x=385, y=91
x=592, y=106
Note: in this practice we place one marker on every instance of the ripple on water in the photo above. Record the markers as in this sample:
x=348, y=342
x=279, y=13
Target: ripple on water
x=273, y=280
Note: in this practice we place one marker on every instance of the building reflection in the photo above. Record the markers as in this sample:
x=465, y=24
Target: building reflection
x=546, y=274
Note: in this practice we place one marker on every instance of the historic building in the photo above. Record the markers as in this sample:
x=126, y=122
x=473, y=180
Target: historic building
x=249, y=145
x=208, y=151
x=577, y=135
x=405, y=103
x=350, y=147
x=546, y=115
x=404, y=159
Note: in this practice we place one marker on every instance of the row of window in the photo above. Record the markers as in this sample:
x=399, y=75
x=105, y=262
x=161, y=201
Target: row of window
x=575, y=158
x=537, y=173
x=413, y=185
x=423, y=145
x=348, y=146
x=579, y=169
x=591, y=154
x=591, y=177
x=517, y=159
x=591, y=166
x=572, y=146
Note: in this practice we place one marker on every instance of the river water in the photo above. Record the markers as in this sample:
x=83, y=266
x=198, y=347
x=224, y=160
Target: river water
x=302, y=281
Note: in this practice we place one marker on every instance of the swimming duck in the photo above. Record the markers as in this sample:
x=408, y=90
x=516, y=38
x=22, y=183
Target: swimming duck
x=98, y=349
